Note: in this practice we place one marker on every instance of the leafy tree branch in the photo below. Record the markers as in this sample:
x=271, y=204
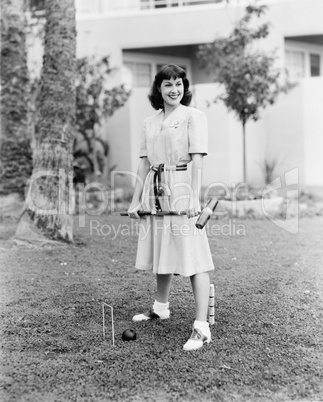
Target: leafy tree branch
x=249, y=77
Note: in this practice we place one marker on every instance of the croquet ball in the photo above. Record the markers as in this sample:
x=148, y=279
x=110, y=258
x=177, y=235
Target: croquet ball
x=129, y=335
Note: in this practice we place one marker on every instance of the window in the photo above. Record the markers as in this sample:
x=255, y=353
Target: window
x=160, y=4
x=295, y=63
x=315, y=65
x=141, y=73
x=140, y=68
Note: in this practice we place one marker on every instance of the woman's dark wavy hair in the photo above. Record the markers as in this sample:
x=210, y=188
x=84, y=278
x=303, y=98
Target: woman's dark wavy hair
x=166, y=73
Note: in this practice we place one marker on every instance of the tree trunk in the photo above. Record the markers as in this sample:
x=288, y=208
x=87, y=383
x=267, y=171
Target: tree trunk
x=244, y=152
x=15, y=149
x=48, y=201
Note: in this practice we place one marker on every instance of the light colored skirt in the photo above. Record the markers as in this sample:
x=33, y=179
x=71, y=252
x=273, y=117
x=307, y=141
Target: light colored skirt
x=173, y=245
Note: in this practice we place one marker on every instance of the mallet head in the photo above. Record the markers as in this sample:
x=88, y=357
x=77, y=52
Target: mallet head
x=206, y=213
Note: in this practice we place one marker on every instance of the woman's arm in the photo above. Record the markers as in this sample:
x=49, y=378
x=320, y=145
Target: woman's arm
x=142, y=172
x=197, y=169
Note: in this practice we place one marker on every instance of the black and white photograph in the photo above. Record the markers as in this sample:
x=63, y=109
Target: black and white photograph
x=161, y=201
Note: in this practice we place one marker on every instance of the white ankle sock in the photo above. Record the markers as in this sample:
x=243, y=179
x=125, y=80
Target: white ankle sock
x=202, y=325
x=160, y=307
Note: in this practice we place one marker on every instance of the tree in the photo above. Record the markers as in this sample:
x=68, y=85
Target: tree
x=250, y=79
x=48, y=198
x=15, y=149
x=95, y=102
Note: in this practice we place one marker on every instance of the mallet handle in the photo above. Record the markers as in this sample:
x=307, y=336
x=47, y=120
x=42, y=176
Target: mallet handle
x=159, y=213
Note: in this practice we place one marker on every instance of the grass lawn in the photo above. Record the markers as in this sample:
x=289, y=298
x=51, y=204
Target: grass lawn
x=266, y=341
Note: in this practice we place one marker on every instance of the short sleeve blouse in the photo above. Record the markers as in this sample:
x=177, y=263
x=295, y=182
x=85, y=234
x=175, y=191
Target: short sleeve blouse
x=173, y=140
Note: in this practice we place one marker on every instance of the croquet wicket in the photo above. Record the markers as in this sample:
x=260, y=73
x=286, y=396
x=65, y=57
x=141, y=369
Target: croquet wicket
x=211, y=305
x=103, y=321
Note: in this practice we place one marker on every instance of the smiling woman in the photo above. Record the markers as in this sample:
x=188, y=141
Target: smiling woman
x=172, y=92
x=171, y=140
x=170, y=77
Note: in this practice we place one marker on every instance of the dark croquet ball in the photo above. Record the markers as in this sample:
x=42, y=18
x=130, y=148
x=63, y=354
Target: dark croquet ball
x=129, y=335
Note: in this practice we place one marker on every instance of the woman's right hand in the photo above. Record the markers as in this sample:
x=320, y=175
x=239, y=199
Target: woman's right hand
x=133, y=210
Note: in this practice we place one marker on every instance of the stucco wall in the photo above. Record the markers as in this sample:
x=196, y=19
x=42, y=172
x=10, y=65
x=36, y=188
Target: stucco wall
x=313, y=131
x=284, y=124
x=123, y=131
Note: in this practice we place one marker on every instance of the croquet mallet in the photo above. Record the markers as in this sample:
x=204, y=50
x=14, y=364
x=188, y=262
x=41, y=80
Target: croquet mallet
x=202, y=220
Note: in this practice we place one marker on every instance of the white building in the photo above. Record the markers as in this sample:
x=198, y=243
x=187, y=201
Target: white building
x=142, y=35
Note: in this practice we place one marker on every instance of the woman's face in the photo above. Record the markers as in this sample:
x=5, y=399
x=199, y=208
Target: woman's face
x=172, y=91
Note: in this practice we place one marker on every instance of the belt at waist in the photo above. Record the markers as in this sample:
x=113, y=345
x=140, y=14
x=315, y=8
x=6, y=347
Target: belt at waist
x=159, y=190
x=162, y=167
